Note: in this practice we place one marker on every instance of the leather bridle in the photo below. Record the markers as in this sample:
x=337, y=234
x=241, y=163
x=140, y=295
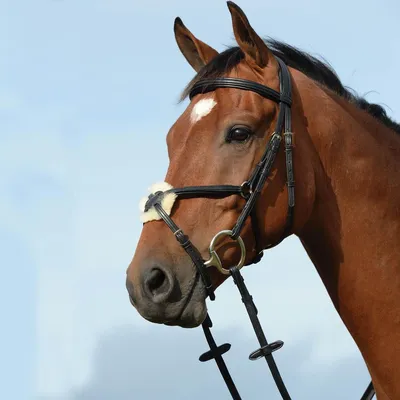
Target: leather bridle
x=250, y=190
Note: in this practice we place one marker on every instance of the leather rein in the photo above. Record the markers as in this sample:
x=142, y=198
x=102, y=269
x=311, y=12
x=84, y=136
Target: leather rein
x=250, y=190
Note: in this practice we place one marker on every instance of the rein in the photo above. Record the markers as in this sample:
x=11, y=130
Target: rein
x=250, y=190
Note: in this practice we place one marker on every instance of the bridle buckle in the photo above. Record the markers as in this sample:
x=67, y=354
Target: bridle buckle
x=245, y=190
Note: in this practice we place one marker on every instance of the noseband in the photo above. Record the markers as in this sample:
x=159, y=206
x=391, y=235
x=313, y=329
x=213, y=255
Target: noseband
x=250, y=190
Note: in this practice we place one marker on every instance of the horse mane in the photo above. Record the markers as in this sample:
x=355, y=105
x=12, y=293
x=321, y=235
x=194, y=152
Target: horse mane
x=312, y=67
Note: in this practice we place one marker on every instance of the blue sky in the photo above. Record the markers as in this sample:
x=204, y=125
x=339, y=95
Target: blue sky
x=88, y=92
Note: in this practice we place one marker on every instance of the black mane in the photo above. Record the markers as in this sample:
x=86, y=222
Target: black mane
x=312, y=67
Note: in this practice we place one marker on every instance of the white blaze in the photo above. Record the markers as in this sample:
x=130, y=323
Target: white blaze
x=201, y=109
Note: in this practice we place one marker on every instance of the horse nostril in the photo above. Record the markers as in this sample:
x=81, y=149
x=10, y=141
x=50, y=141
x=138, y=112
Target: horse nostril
x=155, y=280
x=157, y=284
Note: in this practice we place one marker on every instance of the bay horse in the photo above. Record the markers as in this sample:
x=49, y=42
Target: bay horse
x=346, y=167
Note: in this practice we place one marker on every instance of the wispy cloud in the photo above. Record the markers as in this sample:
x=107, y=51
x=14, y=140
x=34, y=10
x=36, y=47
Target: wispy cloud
x=144, y=366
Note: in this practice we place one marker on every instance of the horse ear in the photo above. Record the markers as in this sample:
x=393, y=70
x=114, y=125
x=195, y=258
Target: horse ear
x=196, y=52
x=249, y=42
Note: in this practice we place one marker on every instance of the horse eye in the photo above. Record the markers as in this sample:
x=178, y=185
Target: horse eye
x=238, y=134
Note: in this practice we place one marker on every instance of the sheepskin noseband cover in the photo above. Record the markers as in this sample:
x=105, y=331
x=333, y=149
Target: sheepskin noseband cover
x=167, y=202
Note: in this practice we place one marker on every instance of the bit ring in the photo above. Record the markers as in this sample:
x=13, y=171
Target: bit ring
x=215, y=261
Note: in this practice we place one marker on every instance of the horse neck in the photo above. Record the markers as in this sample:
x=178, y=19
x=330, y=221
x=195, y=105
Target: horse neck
x=353, y=233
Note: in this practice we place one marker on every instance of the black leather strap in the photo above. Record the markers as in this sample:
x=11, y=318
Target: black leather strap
x=215, y=353
x=191, y=250
x=266, y=349
x=369, y=392
x=214, y=191
x=264, y=170
x=209, y=85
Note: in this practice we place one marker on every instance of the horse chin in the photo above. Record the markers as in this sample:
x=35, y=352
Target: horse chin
x=193, y=315
x=193, y=312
